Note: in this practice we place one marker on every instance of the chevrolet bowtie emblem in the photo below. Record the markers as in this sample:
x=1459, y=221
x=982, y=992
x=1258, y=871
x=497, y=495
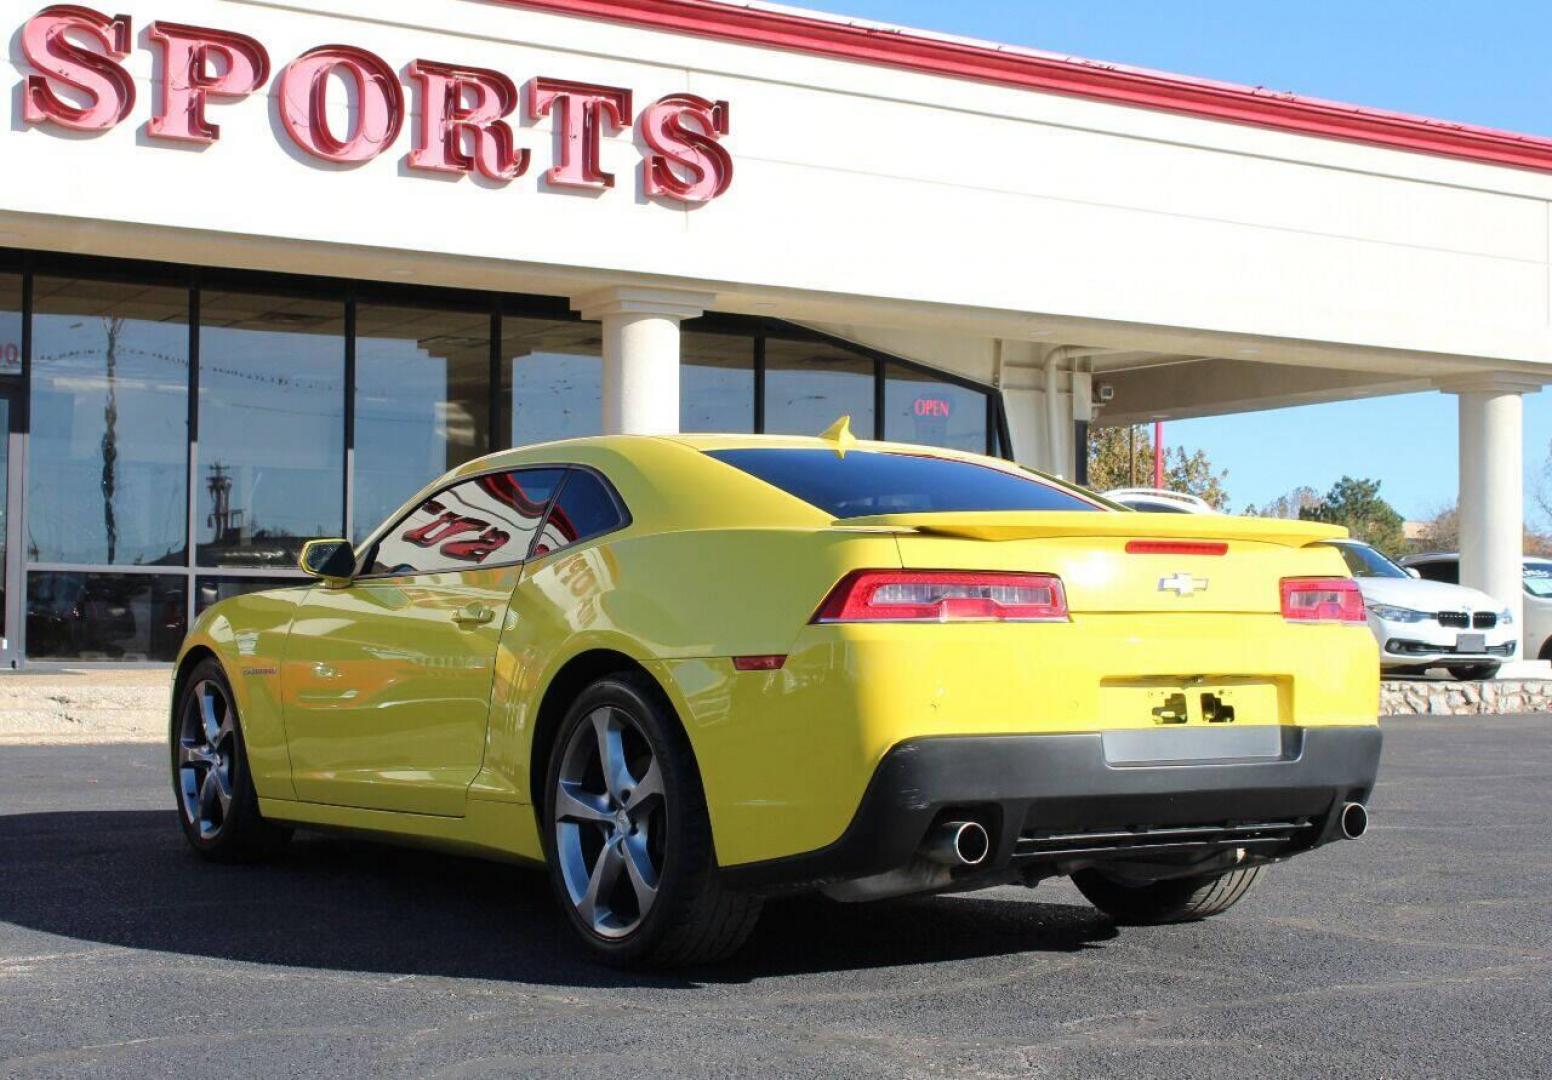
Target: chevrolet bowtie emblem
x=1183, y=584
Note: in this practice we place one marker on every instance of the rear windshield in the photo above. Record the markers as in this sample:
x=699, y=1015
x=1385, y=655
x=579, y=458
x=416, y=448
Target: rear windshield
x=865, y=483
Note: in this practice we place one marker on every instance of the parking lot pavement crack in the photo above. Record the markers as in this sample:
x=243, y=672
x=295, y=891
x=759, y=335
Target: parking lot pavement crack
x=201, y=1040
x=1315, y=926
x=1109, y=1027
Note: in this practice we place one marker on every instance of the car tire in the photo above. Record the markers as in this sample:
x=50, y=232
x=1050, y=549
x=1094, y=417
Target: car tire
x=1472, y=672
x=1173, y=901
x=218, y=806
x=627, y=835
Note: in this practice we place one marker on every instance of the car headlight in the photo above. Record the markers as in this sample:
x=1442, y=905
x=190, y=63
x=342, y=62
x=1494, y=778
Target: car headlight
x=1398, y=614
x=1506, y=617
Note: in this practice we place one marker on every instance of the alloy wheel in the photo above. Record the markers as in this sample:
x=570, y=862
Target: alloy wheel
x=207, y=757
x=610, y=822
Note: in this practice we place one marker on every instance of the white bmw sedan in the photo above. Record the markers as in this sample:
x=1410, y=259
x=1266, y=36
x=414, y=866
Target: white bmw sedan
x=1423, y=624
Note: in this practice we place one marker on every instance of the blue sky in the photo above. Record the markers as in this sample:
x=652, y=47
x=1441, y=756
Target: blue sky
x=1480, y=62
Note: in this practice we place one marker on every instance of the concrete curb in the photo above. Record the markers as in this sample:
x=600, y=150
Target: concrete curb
x=81, y=707
x=1495, y=698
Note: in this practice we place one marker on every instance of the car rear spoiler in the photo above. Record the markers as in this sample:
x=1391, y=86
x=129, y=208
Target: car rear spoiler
x=1044, y=524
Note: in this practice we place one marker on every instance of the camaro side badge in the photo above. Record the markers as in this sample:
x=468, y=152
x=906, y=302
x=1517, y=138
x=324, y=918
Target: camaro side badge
x=1183, y=584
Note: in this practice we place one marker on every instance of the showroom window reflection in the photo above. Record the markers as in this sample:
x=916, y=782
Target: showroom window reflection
x=271, y=463
x=131, y=528
x=809, y=384
x=107, y=464
x=716, y=382
x=551, y=380
x=422, y=403
x=921, y=409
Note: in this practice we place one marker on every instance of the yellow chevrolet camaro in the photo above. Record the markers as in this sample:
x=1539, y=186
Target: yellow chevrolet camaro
x=691, y=672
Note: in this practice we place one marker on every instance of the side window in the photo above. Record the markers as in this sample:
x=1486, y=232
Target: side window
x=1444, y=570
x=585, y=508
x=489, y=520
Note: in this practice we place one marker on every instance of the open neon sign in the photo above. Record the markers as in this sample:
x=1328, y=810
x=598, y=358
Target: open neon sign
x=465, y=112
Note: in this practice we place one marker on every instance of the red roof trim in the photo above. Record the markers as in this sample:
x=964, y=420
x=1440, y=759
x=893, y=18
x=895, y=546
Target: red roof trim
x=1057, y=74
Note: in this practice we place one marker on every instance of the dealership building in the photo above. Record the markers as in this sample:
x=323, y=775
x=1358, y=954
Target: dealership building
x=265, y=269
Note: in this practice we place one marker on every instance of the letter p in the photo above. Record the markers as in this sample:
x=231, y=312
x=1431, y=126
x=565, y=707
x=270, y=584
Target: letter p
x=197, y=64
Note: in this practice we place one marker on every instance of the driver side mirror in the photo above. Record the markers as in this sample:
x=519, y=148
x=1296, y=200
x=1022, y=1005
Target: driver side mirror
x=332, y=560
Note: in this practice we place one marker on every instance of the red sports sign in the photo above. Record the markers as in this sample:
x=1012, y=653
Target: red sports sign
x=464, y=112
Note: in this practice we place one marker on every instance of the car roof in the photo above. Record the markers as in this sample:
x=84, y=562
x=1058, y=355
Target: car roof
x=702, y=489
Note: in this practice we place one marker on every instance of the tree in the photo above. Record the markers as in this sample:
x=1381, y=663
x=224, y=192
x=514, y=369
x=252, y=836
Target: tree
x=1357, y=505
x=1195, y=475
x=1119, y=457
x=1543, y=493
x=1442, y=533
x=1123, y=457
x=1286, y=506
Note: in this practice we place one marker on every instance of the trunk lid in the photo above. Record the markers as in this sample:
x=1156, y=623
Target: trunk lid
x=1125, y=562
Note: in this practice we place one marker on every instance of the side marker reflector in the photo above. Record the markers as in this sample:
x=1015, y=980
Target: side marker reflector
x=772, y=662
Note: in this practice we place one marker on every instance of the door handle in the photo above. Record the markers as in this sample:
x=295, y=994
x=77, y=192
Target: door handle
x=473, y=615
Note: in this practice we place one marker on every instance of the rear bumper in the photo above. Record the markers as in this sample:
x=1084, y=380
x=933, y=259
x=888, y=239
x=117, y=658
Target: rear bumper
x=1054, y=802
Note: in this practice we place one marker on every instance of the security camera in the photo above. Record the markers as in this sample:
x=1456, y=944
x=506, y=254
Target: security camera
x=1104, y=392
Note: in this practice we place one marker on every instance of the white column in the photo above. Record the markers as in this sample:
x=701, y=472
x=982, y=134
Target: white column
x=1492, y=484
x=641, y=354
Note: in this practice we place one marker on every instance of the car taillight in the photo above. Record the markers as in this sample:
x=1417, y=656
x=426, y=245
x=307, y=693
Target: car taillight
x=1322, y=600
x=944, y=596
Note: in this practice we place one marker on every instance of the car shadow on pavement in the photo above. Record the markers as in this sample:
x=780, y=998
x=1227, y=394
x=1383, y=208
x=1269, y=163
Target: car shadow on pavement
x=126, y=878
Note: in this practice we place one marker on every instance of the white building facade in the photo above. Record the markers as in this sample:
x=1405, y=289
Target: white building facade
x=268, y=267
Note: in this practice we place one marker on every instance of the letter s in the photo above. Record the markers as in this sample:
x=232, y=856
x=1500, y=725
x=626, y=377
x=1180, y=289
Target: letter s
x=96, y=75
x=687, y=162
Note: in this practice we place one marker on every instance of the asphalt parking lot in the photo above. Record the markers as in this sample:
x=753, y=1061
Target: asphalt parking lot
x=1423, y=950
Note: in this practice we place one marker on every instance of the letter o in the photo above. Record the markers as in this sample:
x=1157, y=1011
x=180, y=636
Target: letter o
x=304, y=98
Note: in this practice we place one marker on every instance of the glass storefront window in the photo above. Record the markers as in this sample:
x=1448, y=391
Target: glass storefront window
x=111, y=617
x=809, y=384
x=10, y=324
x=716, y=382
x=107, y=468
x=212, y=590
x=271, y=427
x=422, y=403
x=551, y=380
x=109, y=473
x=921, y=409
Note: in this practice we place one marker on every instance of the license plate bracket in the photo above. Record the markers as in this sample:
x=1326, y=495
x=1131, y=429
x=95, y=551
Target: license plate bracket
x=1190, y=702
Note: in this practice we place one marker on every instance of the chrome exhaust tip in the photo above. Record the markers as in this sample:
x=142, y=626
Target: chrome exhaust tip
x=958, y=843
x=1355, y=820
